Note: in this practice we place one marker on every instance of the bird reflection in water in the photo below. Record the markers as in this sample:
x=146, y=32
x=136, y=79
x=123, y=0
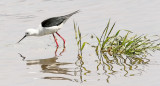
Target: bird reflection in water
x=50, y=65
x=60, y=52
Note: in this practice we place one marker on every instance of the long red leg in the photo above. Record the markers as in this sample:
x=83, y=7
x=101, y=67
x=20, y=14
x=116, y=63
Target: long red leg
x=55, y=40
x=62, y=39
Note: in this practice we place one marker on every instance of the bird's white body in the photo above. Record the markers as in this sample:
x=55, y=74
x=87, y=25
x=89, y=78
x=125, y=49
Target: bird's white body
x=41, y=31
x=49, y=30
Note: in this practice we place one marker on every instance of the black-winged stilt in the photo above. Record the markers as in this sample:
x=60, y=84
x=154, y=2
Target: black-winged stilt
x=50, y=26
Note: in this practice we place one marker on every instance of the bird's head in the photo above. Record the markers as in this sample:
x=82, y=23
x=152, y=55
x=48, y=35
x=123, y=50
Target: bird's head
x=30, y=32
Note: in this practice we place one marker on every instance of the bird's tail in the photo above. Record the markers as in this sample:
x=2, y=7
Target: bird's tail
x=69, y=15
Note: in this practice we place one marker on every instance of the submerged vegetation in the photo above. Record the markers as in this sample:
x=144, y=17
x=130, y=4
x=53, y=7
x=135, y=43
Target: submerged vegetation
x=127, y=50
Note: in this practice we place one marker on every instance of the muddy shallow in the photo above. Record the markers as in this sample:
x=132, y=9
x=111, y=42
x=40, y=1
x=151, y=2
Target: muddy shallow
x=41, y=66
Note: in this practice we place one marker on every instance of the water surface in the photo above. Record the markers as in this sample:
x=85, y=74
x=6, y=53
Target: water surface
x=41, y=66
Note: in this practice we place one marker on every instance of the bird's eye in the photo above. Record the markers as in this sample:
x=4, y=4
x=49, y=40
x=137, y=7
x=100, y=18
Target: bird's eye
x=27, y=33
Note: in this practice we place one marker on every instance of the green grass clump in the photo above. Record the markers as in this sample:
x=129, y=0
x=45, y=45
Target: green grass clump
x=125, y=51
x=127, y=45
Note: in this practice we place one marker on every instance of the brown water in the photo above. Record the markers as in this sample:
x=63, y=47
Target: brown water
x=42, y=68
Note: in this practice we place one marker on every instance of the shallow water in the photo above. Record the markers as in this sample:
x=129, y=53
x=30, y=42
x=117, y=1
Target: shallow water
x=41, y=66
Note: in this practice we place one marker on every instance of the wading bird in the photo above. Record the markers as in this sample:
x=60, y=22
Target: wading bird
x=50, y=26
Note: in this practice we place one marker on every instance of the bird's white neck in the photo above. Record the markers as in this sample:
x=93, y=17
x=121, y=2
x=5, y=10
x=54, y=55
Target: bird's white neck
x=36, y=32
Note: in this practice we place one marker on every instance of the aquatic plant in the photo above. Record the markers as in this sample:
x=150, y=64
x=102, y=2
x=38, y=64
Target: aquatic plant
x=78, y=38
x=134, y=46
x=81, y=46
x=127, y=51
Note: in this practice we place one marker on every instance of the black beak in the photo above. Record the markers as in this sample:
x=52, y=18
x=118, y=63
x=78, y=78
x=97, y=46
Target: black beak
x=22, y=38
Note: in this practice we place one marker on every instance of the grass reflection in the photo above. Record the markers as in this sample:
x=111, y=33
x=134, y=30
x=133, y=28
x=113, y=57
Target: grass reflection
x=112, y=65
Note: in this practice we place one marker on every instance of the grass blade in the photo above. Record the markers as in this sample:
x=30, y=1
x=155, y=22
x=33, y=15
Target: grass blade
x=103, y=44
x=75, y=29
x=111, y=30
x=99, y=42
x=84, y=43
x=105, y=30
x=117, y=33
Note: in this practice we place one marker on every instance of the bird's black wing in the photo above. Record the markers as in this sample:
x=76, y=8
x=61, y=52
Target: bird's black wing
x=54, y=21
